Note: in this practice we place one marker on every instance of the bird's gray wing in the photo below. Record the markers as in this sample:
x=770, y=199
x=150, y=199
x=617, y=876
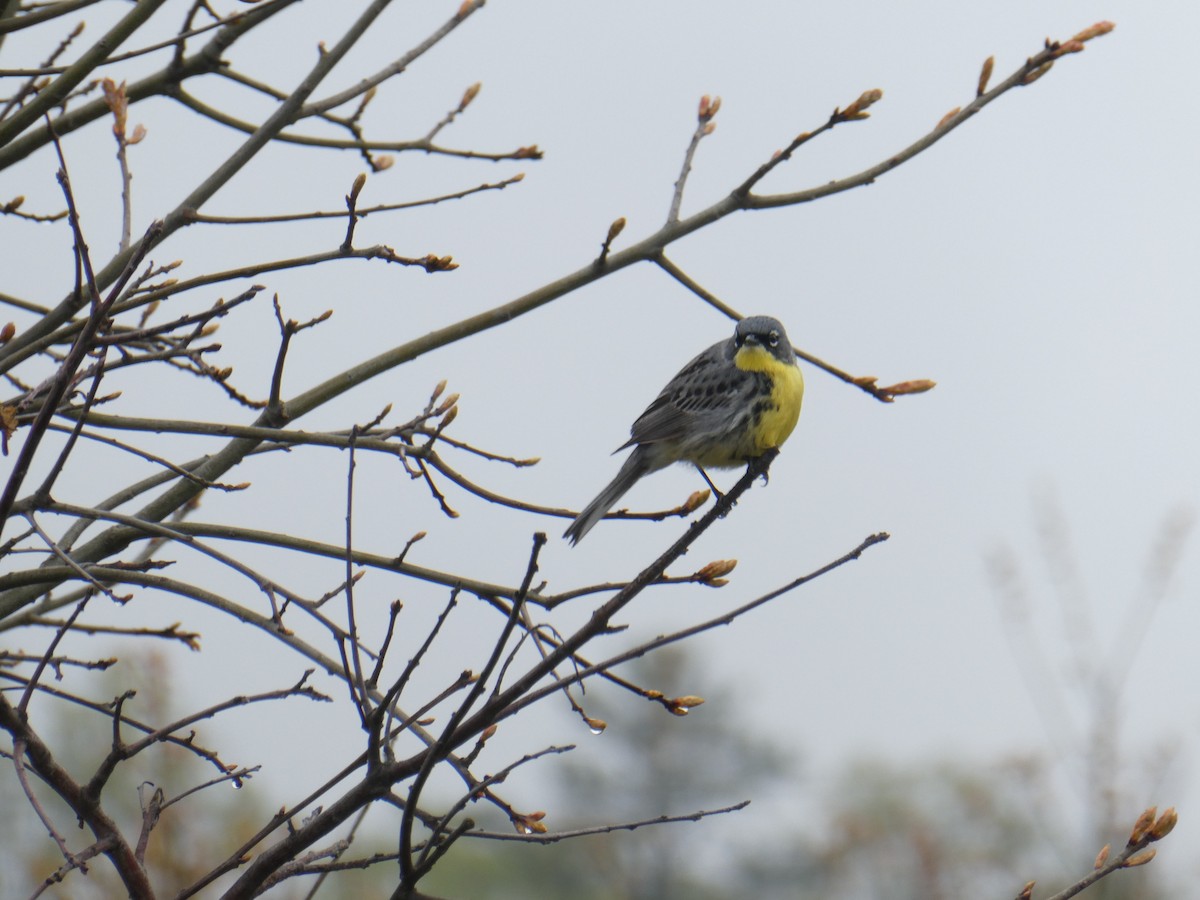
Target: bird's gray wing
x=705, y=387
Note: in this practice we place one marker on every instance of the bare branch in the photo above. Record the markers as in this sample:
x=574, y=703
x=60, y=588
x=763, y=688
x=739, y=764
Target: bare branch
x=552, y=837
x=1135, y=853
x=132, y=875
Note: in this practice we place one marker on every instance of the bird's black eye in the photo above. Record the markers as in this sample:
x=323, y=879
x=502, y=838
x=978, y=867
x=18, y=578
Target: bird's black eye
x=773, y=338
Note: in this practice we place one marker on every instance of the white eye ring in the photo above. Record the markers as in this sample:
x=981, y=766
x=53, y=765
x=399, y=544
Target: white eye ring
x=773, y=338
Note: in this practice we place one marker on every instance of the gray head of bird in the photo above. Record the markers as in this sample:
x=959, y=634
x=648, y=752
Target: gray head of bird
x=765, y=332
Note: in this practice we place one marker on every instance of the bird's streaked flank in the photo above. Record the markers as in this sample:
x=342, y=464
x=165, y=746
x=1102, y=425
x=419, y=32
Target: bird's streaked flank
x=738, y=399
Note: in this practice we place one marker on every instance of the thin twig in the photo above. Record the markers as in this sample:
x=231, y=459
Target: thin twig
x=118, y=102
x=552, y=837
x=354, y=676
x=386, y=706
x=704, y=127
x=27, y=694
x=360, y=213
x=18, y=757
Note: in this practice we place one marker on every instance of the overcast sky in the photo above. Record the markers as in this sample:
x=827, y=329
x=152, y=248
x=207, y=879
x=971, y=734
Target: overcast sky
x=1038, y=264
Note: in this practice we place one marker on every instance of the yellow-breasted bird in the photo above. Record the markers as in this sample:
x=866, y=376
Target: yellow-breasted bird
x=735, y=401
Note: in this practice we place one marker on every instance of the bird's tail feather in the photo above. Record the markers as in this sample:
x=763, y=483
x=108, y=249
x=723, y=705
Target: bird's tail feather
x=634, y=468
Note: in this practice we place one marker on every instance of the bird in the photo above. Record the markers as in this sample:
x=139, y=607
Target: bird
x=735, y=401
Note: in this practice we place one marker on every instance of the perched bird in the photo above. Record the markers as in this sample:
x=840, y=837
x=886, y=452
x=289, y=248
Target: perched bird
x=738, y=399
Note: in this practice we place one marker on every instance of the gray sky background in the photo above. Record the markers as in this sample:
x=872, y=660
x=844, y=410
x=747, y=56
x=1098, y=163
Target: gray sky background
x=1038, y=264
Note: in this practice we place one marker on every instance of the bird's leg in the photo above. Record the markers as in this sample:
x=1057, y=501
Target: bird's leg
x=716, y=491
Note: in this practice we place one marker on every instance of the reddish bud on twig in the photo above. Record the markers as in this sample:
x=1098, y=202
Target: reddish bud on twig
x=1027, y=891
x=869, y=98
x=381, y=163
x=8, y=425
x=446, y=404
x=917, y=386
x=857, y=109
x=530, y=152
x=695, y=501
x=597, y=725
x=1140, y=859
x=708, y=107
x=614, y=229
x=713, y=574
x=681, y=706
x=1037, y=73
x=1165, y=824
x=468, y=95
x=1102, y=857
x=118, y=104
x=15, y=203
x=1068, y=47
x=7, y=332
x=356, y=188
x=1142, y=826
x=948, y=116
x=438, y=263
x=530, y=823
x=1095, y=31
x=985, y=75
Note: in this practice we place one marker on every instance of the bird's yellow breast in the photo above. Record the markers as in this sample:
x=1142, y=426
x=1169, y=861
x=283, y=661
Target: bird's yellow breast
x=787, y=394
